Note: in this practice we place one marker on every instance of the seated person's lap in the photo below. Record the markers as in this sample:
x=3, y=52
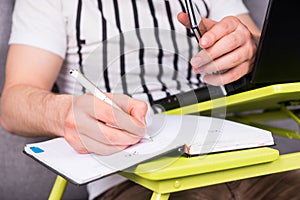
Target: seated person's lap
x=275, y=186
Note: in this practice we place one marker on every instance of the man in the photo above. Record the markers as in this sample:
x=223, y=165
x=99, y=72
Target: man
x=51, y=37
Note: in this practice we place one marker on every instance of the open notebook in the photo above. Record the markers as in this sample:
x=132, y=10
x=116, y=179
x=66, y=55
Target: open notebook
x=184, y=134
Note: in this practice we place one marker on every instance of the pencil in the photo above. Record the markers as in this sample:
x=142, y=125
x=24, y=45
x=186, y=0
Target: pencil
x=87, y=84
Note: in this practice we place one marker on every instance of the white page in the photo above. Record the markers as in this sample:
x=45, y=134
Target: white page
x=231, y=136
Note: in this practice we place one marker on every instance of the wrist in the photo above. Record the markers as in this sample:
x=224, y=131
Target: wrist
x=62, y=104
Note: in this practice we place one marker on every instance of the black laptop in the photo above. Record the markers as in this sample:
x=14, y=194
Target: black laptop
x=277, y=59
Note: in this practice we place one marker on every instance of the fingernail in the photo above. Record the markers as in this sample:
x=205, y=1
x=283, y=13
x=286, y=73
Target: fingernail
x=204, y=41
x=196, y=61
x=198, y=70
x=143, y=120
x=202, y=78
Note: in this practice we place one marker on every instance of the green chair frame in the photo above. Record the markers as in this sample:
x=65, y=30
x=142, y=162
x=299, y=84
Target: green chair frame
x=273, y=102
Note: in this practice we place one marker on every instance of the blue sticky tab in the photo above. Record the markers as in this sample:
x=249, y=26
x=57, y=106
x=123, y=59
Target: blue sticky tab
x=37, y=149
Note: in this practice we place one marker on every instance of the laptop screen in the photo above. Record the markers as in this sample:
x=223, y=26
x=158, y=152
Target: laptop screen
x=278, y=54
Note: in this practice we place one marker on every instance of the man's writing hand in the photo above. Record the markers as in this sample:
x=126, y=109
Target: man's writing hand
x=93, y=126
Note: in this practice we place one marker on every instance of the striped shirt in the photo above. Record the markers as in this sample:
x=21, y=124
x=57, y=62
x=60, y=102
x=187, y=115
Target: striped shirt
x=135, y=47
x=124, y=46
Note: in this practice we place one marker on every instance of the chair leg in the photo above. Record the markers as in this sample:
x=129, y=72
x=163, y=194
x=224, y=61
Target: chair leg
x=159, y=196
x=58, y=188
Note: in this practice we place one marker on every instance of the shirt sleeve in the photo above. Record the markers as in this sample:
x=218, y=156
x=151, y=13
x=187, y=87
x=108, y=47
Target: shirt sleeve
x=40, y=24
x=222, y=8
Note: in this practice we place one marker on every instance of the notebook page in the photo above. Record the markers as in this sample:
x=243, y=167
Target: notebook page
x=231, y=136
x=167, y=132
x=61, y=157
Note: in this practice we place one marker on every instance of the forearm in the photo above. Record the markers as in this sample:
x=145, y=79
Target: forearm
x=30, y=111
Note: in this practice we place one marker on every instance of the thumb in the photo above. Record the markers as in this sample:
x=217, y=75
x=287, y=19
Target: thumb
x=205, y=24
x=183, y=18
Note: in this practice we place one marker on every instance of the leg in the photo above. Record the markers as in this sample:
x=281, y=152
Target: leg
x=213, y=192
x=126, y=191
x=129, y=190
x=285, y=185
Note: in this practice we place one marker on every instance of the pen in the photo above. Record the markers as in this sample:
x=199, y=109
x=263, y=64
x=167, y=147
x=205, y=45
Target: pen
x=96, y=91
x=197, y=33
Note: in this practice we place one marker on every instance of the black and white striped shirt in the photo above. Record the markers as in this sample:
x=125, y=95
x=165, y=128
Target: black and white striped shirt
x=136, y=47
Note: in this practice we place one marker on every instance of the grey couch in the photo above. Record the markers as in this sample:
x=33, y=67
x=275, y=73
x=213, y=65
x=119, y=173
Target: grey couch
x=20, y=176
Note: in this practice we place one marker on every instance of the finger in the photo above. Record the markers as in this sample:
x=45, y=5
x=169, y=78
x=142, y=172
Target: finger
x=218, y=30
x=229, y=76
x=104, y=133
x=135, y=108
x=200, y=59
x=97, y=147
x=114, y=136
x=204, y=25
x=81, y=122
x=231, y=42
x=121, y=119
x=183, y=18
x=88, y=105
x=227, y=44
x=74, y=140
x=227, y=61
